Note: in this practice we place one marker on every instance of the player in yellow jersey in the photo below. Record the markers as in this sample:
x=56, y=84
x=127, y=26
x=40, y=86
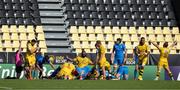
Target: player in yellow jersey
x=101, y=59
x=163, y=59
x=143, y=52
x=83, y=63
x=66, y=71
x=30, y=58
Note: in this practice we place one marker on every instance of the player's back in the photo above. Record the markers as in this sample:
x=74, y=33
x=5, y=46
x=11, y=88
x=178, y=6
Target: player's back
x=82, y=62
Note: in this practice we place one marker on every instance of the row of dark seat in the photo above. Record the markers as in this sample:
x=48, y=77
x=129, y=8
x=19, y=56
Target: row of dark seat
x=120, y=15
x=18, y=7
x=116, y=1
x=20, y=21
x=17, y=1
x=158, y=8
x=121, y=22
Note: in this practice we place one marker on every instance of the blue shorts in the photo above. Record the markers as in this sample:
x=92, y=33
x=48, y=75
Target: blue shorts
x=84, y=71
x=119, y=61
x=55, y=72
x=122, y=70
x=136, y=59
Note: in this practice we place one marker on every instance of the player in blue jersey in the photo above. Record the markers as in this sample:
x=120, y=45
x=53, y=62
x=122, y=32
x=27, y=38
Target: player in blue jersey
x=118, y=55
x=40, y=60
x=135, y=57
x=122, y=72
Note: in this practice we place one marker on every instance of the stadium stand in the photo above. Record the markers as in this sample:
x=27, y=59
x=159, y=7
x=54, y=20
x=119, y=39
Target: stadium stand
x=107, y=20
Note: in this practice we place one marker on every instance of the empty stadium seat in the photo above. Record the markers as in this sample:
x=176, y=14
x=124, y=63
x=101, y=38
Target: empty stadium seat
x=23, y=36
x=109, y=37
x=100, y=37
x=42, y=44
x=115, y=30
x=14, y=36
x=32, y=36
x=124, y=30
x=150, y=30
x=5, y=28
x=30, y=29
x=132, y=30
x=160, y=38
x=21, y=29
x=175, y=30
x=39, y=29
x=41, y=36
x=85, y=44
x=73, y=29
x=168, y=38
x=83, y=37
x=158, y=30
x=107, y=30
x=126, y=37
x=98, y=29
x=92, y=37
x=82, y=29
x=13, y=28
x=90, y=29
x=76, y=44
x=75, y=37
x=166, y=30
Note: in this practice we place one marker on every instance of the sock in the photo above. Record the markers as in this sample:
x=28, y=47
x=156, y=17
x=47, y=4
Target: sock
x=170, y=75
x=158, y=74
x=141, y=71
x=135, y=73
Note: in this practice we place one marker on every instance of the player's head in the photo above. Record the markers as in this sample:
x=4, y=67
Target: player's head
x=98, y=43
x=165, y=44
x=83, y=53
x=46, y=57
x=118, y=40
x=18, y=50
x=142, y=41
x=33, y=41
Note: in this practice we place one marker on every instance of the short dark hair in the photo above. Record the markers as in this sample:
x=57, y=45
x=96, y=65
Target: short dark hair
x=142, y=38
x=119, y=39
x=33, y=40
x=98, y=42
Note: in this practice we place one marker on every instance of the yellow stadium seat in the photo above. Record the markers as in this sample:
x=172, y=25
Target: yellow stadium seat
x=116, y=36
x=87, y=50
x=124, y=30
x=103, y=43
x=177, y=38
x=9, y=50
x=93, y=50
x=132, y=30
x=41, y=36
x=92, y=37
x=24, y=44
x=78, y=50
x=153, y=47
x=21, y=29
x=98, y=29
x=75, y=37
x=76, y=44
x=92, y=45
x=107, y=30
x=30, y=29
x=6, y=36
x=31, y=36
x=15, y=44
x=5, y=28
x=141, y=30
x=13, y=28
x=160, y=38
x=166, y=30
x=14, y=36
x=39, y=29
x=90, y=29
x=135, y=44
x=82, y=29
x=73, y=29
x=44, y=50
x=155, y=51
x=178, y=46
x=115, y=30
x=42, y=44
x=158, y=30
x=109, y=37
x=7, y=44
x=83, y=37
x=149, y=30
x=126, y=37
x=110, y=45
x=130, y=51
x=134, y=38
x=175, y=30
x=168, y=38
x=100, y=37
x=152, y=38
x=173, y=52
x=128, y=45
x=85, y=44
x=23, y=36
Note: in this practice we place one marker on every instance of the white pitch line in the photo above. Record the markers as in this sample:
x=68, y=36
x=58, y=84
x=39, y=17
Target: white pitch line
x=6, y=88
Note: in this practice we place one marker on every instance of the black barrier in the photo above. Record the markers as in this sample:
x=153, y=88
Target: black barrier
x=3, y=57
x=58, y=58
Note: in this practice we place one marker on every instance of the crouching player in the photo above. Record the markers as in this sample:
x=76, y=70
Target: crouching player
x=66, y=71
x=83, y=63
x=122, y=72
x=40, y=60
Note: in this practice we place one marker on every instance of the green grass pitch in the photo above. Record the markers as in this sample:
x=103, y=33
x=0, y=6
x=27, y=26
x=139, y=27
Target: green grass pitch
x=88, y=85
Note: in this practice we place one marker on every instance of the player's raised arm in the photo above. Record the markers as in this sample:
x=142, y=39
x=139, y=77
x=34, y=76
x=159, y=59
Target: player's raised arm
x=174, y=43
x=19, y=51
x=155, y=44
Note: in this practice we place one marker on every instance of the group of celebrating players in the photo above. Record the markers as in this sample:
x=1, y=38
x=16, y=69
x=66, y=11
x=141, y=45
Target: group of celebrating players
x=99, y=69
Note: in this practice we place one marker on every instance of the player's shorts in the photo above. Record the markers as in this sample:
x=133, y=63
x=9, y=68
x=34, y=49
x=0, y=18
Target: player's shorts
x=122, y=70
x=163, y=65
x=55, y=72
x=143, y=61
x=19, y=69
x=136, y=60
x=31, y=60
x=102, y=63
x=119, y=61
